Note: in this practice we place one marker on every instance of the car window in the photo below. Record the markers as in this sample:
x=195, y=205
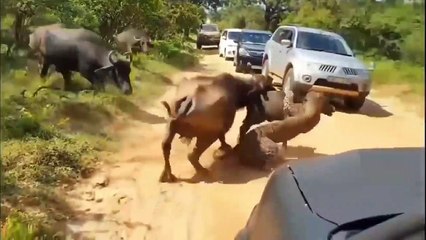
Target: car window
x=283, y=34
x=233, y=35
x=224, y=34
x=287, y=34
x=277, y=35
x=210, y=28
x=321, y=42
x=261, y=38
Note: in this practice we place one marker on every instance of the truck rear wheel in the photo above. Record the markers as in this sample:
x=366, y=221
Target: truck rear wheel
x=265, y=68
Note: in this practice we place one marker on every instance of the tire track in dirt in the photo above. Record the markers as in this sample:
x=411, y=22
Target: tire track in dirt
x=136, y=206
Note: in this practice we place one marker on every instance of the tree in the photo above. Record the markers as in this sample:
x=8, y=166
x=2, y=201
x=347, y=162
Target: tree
x=274, y=12
x=186, y=16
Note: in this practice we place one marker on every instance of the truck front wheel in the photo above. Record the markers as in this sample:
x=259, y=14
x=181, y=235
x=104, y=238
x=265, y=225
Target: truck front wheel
x=354, y=104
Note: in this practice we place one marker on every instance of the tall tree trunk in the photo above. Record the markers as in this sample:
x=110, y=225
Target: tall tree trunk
x=267, y=17
x=18, y=25
x=186, y=33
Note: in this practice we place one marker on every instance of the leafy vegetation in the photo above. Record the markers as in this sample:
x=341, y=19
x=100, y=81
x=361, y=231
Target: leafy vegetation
x=55, y=138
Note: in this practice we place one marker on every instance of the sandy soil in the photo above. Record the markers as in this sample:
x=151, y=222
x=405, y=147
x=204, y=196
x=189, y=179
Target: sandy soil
x=134, y=205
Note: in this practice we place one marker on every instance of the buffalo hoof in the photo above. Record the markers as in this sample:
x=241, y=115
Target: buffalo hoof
x=167, y=177
x=202, y=175
x=222, y=152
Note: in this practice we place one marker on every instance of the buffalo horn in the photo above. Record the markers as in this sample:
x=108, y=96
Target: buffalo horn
x=110, y=57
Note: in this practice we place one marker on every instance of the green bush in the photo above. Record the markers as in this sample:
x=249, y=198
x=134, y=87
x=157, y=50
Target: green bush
x=413, y=48
x=397, y=73
x=167, y=49
x=241, y=17
x=36, y=161
x=23, y=227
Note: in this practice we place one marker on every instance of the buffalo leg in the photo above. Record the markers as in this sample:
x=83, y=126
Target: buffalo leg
x=67, y=80
x=44, y=70
x=250, y=120
x=201, y=146
x=43, y=74
x=167, y=175
x=223, y=145
x=223, y=149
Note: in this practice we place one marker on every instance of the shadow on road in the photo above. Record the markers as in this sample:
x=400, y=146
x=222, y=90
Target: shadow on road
x=230, y=171
x=301, y=152
x=210, y=50
x=136, y=113
x=370, y=109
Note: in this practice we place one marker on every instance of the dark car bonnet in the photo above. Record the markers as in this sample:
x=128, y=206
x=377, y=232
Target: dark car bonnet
x=253, y=47
x=363, y=183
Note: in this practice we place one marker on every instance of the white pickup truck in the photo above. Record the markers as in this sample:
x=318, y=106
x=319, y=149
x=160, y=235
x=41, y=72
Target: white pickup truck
x=306, y=58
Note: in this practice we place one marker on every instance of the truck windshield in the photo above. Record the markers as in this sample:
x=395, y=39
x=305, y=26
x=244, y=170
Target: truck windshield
x=210, y=28
x=233, y=35
x=260, y=38
x=321, y=42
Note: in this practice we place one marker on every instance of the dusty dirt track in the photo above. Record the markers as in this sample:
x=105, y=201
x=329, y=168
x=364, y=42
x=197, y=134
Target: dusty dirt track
x=134, y=205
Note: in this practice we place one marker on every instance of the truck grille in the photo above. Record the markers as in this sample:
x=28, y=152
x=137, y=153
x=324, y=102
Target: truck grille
x=325, y=83
x=327, y=68
x=350, y=71
x=255, y=53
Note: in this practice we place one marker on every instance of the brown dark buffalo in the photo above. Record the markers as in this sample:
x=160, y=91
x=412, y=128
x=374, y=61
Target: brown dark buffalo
x=204, y=107
x=37, y=41
x=83, y=51
x=259, y=144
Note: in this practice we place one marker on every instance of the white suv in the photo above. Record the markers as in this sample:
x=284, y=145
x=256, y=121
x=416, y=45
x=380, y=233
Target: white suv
x=228, y=42
x=308, y=58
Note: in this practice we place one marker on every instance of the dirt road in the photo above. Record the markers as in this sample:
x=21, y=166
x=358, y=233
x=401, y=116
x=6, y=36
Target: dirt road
x=134, y=205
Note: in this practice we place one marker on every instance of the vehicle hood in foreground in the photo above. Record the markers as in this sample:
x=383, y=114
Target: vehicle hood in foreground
x=363, y=183
x=253, y=47
x=329, y=58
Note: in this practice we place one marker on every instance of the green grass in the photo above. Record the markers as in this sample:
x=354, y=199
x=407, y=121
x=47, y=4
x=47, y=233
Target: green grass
x=50, y=140
x=388, y=72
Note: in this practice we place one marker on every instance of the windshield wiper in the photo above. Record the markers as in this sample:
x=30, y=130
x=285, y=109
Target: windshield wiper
x=254, y=43
x=344, y=54
x=361, y=224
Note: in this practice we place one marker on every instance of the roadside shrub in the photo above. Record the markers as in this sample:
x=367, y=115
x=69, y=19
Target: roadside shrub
x=35, y=161
x=167, y=49
x=23, y=227
x=413, y=49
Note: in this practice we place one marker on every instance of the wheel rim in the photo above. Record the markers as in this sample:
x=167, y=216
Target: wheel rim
x=287, y=89
x=286, y=84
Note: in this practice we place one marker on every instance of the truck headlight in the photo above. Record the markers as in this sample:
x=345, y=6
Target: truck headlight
x=243, y=52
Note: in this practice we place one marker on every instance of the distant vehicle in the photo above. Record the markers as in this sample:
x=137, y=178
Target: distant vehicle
x=208, y=34
x=250, y=49
x=363, y=194
x=228, y=45
x=306, y=57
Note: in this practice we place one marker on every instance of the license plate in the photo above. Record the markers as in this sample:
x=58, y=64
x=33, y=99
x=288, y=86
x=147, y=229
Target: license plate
x=339, y=80
x=256, y=67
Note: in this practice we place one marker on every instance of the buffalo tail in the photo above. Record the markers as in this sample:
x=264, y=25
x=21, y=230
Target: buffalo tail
x=167, y=106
